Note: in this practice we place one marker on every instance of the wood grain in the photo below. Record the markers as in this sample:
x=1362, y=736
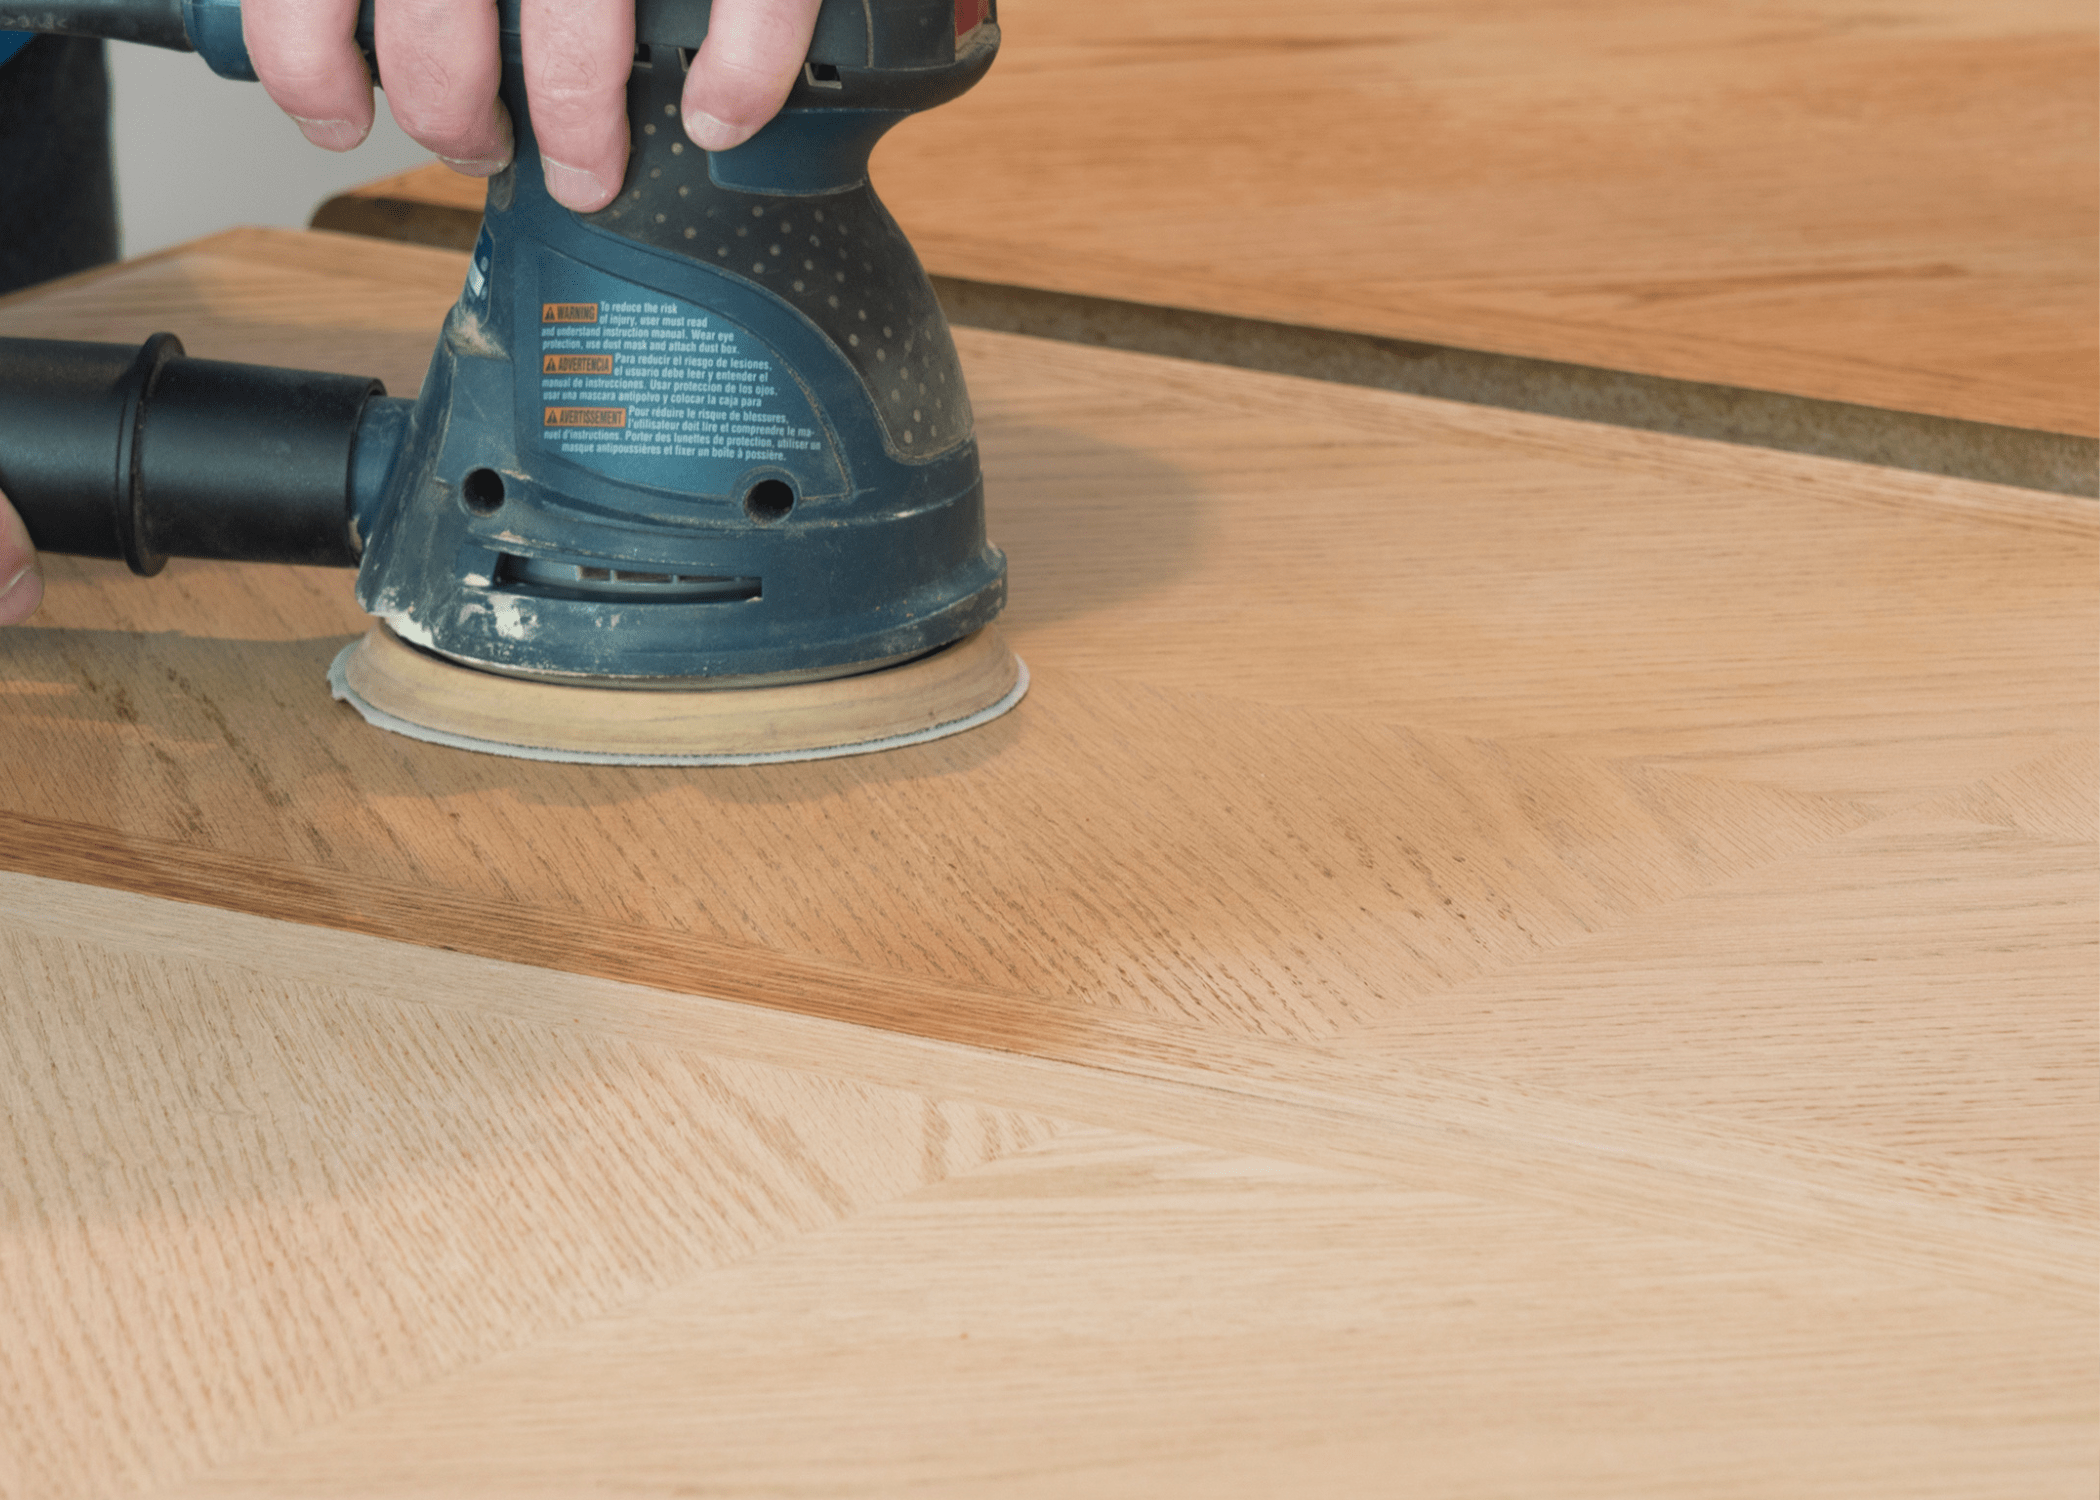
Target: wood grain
x=1113, y=1315
x=1083, y=1309
x=242, y=1207
x=1892, y=206
x=1911, y=911
x=1496, y=950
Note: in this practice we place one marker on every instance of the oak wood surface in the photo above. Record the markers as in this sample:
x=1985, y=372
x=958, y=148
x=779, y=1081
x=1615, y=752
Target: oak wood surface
x=497, y=1195
x=1892, y=205
x=1498, y=954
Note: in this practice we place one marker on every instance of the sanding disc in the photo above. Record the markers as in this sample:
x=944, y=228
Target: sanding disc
x=415, y=693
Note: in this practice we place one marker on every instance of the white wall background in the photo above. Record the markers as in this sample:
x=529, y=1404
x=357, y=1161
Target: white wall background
x=196, y=153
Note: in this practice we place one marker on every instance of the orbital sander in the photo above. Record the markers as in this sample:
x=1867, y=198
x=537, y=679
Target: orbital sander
x=691, y=479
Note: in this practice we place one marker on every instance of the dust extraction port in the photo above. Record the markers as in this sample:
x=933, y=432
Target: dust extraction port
x=769, y=500
x=482, y=491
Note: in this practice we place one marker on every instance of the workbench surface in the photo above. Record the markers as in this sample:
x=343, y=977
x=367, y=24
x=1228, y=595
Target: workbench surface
x=1890, y=205
x=1499, y=956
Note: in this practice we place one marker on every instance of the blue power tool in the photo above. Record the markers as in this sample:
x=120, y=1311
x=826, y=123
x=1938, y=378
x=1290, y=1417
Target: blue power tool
x=714, y=435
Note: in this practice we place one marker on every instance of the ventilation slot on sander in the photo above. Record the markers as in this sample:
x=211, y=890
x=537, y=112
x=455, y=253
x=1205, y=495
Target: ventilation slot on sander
x=558, y=578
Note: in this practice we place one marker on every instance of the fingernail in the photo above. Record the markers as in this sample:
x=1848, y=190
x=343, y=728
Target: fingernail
x=572, y=187
x=496, y=161
x=476, y=166
x=24, y=592
x=710, y=134
x=332, y=135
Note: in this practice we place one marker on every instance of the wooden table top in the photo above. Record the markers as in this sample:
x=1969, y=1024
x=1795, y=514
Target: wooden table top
x=1893, y=208
x=1499, y=956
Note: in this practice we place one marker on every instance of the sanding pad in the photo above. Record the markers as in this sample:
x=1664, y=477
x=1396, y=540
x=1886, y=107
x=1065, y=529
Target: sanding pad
x=415, y=693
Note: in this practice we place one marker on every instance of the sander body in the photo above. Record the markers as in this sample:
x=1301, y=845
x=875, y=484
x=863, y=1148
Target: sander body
x=710, y=440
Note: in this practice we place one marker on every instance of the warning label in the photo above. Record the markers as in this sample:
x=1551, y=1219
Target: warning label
x=642, y=387
x=586, y=416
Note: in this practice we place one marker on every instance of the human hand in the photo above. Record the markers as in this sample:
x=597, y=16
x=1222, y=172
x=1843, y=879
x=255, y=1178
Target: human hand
x=21, y=584
x=442, y=67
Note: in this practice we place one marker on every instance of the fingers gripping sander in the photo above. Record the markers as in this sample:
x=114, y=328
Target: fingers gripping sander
x=712, y=440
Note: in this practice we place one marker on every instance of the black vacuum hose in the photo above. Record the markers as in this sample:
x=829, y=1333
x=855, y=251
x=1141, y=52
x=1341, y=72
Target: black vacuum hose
x=157, y=23
x=146, y=454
